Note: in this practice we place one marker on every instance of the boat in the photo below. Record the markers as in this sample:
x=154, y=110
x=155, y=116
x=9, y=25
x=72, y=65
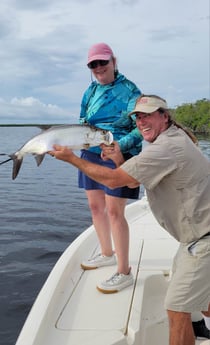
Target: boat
x=69, y=310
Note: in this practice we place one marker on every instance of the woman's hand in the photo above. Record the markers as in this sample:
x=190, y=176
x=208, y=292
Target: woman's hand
x=112, y=152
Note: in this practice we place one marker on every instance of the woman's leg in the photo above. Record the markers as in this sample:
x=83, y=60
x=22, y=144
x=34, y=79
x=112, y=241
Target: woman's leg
x=120, y=231
x=97, y=205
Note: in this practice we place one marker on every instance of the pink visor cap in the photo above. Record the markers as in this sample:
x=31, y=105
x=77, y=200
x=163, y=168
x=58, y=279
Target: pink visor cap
x=99, y=51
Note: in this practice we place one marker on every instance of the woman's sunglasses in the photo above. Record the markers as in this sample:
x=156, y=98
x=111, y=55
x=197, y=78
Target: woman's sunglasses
x=96, y=63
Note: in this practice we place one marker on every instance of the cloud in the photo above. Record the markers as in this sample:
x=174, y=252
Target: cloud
x=168, y=34
x=31, y=5
x=26, y=110
x=162, y=46
x=8, y=26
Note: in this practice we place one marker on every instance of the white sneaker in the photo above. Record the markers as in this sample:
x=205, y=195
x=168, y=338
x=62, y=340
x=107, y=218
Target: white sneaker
x=99, y=261
x=116, y=283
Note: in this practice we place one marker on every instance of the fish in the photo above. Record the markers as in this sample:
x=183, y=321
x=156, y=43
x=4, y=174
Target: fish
x=74, y=136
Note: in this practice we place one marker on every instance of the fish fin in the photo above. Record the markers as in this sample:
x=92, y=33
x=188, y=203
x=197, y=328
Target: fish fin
x=39, y=159
x=17, y=162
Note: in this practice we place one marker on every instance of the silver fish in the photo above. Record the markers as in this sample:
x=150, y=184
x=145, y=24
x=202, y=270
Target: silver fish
x=74, y=136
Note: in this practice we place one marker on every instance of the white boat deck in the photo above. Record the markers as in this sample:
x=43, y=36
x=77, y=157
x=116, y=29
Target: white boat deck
x=71, y=311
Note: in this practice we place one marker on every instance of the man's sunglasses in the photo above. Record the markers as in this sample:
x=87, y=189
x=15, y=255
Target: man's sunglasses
x=96, y=63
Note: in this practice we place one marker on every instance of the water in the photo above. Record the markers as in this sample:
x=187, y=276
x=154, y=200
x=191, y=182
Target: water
x=41, y=213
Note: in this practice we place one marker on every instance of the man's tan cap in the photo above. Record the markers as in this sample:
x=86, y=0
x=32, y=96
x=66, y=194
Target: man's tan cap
x=148, y=104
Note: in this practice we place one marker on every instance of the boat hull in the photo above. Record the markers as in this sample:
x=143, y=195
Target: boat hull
x=69, y=310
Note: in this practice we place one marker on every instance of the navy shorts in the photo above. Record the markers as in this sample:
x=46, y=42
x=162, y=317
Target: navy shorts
x=88, y=184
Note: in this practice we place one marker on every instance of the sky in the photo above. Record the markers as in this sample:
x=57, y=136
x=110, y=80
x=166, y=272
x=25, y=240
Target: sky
x=161, y=45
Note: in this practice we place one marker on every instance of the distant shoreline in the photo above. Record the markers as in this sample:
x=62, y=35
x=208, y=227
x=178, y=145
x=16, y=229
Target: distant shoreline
x=40, y=125
x=48, y=125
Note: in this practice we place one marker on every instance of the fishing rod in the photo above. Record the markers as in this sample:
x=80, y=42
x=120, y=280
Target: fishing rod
x=7, y=160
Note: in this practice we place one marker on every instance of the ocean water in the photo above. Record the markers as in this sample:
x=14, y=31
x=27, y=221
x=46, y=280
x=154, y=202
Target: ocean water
x=41, y=212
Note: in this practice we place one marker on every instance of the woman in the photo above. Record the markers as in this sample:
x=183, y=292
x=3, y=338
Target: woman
x=106, y=104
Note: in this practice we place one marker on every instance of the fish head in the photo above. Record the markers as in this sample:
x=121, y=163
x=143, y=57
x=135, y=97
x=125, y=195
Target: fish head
x=108, y=138
x=102, y=136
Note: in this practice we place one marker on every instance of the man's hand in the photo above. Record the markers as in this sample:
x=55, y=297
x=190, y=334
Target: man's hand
x=112, y=178
x=112, y=152
x=62, y=152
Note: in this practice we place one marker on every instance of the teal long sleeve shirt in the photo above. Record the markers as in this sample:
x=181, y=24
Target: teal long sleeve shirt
x=107, y=107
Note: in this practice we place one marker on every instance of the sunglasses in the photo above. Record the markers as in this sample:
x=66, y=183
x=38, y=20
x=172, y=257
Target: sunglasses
x=96, y=63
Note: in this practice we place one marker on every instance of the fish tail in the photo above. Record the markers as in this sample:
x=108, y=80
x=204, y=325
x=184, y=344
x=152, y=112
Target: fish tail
x=17, y=162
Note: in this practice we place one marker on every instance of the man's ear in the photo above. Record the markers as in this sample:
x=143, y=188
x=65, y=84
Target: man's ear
x=166, y=116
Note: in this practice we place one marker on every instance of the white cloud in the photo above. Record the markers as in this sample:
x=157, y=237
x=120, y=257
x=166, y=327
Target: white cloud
x=163, y=46
x=30, y=109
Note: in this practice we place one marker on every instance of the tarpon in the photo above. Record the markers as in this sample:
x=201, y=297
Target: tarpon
x=73, y=136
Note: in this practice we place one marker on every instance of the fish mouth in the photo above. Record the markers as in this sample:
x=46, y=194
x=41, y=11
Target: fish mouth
x=109, y=137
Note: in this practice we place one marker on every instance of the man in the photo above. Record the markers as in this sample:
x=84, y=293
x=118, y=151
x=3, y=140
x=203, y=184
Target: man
x=176, y=176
